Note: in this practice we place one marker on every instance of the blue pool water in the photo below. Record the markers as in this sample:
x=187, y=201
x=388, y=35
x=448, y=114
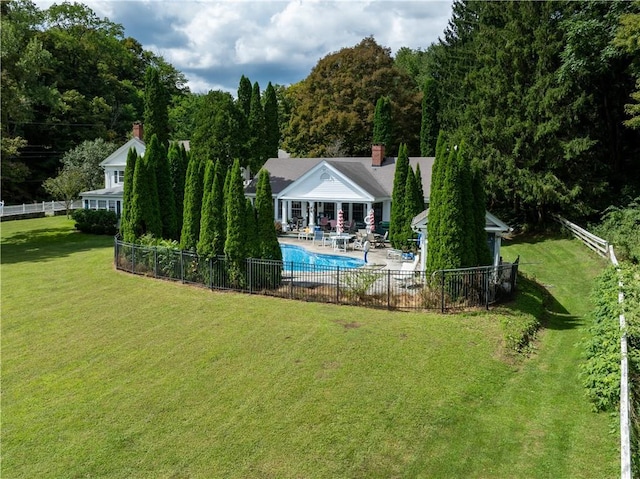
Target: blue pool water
x=304, y=260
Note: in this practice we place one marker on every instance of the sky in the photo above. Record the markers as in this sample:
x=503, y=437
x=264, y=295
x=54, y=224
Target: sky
x=214, y=43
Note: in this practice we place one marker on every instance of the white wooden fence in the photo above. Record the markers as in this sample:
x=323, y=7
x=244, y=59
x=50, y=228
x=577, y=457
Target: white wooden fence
x=41, y=207
x=603, y=248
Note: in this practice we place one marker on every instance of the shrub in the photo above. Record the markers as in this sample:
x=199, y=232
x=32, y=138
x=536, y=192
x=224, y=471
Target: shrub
x=99, y=222
x=621, y=227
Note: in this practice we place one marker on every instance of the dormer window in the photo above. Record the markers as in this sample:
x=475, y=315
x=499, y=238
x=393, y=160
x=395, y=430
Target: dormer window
x=118, y=177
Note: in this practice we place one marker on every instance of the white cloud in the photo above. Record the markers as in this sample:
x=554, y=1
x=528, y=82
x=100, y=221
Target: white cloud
x=215, y=42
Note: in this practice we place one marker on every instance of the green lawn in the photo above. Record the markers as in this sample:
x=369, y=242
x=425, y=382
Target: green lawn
x=106, y=374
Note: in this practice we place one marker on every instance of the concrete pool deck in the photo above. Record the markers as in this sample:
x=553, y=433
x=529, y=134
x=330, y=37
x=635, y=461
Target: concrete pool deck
x=377, y=256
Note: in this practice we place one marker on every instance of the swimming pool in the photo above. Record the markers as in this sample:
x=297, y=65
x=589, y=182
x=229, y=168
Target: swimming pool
x=304, y=260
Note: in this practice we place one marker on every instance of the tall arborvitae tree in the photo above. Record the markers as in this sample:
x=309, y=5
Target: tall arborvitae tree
x=193, y=189
x=382, y=123
x=397, y=198
x=145, y=209
x=257, y=131
x=269, y=245
x=126, y=228
x=450, y=206
x=244, y=95
x=483, y=255
x=178, y=170
x=464, y=185
x=207, y=218
x=219, y=213
x=234, y=247
x=221, y=130
x=430, y=127
x=419, y=185
x=156, y=107
x=434, y=223
x=412, y=207
x=166, y=201
x=252, y=242
x=272, y=126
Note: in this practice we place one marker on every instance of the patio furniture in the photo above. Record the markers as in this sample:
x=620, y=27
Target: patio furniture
x=304, y=234
x=318, y=235
x=394, y=254
x=406, y=275
x=340, y=241
x=358, y=243
x=379, y=240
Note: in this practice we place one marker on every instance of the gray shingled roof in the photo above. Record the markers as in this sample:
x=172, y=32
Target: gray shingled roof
x=116, y=190
x=378, y=181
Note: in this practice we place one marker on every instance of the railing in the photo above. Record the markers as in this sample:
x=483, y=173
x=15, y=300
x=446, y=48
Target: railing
x=41, y=207
x=592, y=241
x=374, y=288
x=603, y=248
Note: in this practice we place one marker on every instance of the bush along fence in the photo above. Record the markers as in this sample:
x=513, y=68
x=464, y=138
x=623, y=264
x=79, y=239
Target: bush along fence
x=375, y=288
x=607, y=355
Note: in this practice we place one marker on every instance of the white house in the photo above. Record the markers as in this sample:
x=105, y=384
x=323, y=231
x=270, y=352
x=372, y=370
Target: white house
x=110, y=197
x=313, y=190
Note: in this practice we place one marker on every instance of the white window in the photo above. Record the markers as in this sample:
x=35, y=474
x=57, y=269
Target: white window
x=112, y=205
x=102, y=204
x=118, y=177
x=92, y=204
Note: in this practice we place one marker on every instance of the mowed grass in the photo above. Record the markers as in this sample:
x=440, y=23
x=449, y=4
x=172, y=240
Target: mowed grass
x=110, y=375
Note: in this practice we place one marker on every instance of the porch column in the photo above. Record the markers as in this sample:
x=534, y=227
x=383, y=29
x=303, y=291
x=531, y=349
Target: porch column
x=369, y=207
x=351, y=212
x=496, y=250
x=275, y=212
x=305, y=214
x=312, y=213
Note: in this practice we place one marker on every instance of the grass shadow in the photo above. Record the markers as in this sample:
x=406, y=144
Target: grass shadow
x=48, y=243
x=534, y=299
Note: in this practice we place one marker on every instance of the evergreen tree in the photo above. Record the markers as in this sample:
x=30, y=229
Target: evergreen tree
x=434, y=223
x=156, y=107
x=272, y=126
x=412, y=207
x=451, y=216
x=193, y=190
x=126, y=228
x=145, y=211
x=430, y=126
x=382, y=123
x=207, y=219
x=257, y=132
x=234, y=247
x=178, y=171
x=483, y=255
x=269, y=245
x=244, y=95
x=419, y=185
x=166, y=201
x=468, y=223
x=252, y=242
x=219, y=212
x=397, y=198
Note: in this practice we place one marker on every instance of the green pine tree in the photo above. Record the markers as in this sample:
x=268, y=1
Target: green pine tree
x=145, y=211
x=483, y=255
x=419, y=185
x=252, y=242
x=244, y=95
x=126, y=228
x=166, y=201
x=193, y=190
x=272, y=126
x=219, y=213
x=382, y=123
x=430, y=126
x=412, y=207
x=178, y=170
x=234, y=247
x=464, y=185
x=207, y=219
x=397, y=199
x=434, y=239
x=257, y=131
x=269, y=245
x=156, y=107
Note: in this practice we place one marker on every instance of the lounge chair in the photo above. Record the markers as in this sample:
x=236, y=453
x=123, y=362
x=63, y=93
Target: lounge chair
x=406, y=275
x=380, y=241
x=318, y=235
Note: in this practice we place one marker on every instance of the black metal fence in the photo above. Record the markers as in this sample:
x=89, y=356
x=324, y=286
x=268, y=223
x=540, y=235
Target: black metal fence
x=374, y=288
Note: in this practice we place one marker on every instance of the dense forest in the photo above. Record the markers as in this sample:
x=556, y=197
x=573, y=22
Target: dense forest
x=545, y=95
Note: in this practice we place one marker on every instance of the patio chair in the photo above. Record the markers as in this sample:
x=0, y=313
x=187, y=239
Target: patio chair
x=318, y=235
x=380, y=241
x=358, y=242
x=406, y=275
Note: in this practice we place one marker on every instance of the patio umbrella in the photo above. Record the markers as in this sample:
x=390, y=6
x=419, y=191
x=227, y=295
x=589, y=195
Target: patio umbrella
x=371, y=222
x=340, y=223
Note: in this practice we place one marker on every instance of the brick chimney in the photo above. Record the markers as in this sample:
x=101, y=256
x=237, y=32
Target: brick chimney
x=138, y=131
x=377, y=155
